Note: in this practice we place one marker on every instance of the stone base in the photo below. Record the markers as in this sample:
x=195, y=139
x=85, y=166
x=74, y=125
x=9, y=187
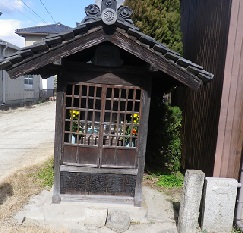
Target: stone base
x=156, y=214
x=84, y=212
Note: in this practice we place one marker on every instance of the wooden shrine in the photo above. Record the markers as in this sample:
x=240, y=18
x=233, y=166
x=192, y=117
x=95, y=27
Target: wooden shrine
x=105, y=72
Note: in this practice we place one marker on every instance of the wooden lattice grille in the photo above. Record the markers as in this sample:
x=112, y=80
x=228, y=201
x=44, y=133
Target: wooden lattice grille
x=105, y=117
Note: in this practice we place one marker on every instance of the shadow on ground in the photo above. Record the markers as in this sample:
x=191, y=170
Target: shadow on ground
x=6, y=191
x=176, y=207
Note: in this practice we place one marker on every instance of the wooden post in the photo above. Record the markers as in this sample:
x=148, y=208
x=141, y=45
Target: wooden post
x=146, y=96
x=56, y=198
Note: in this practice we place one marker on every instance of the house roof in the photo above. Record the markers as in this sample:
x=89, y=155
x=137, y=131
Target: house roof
x=46, y=29
x=9, y=45
x=93, y=31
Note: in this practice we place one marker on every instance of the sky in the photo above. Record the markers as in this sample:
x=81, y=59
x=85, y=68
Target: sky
x=18, y=14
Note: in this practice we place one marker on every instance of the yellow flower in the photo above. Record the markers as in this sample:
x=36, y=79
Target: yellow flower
x=74, y=113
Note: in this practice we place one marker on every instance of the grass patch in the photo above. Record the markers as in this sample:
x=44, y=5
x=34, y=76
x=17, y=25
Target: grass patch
x=46, y=174
x=236, y=230
x=171, y=181
x=172, y=190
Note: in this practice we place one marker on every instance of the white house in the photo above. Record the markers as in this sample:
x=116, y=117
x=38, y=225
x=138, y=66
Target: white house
x=37, y=34
x=16, y=91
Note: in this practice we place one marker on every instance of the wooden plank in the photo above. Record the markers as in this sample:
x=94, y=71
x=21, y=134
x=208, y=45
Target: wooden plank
x=88, y=155
x=96, y=170
x=90, y=68
x=58, y=138
x=69, y=154
x=142, y=140
x=236, y=145
x=225, y=120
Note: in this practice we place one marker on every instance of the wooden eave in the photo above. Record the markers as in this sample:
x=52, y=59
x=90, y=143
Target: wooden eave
x=51, y=51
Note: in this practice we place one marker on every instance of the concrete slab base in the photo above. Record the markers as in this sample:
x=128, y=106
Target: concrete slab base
x=88, y=216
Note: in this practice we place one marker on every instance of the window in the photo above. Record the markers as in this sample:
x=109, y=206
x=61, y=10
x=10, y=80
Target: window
x=28, y=82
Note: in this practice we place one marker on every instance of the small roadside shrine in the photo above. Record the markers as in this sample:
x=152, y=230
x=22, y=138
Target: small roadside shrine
x=105, y=70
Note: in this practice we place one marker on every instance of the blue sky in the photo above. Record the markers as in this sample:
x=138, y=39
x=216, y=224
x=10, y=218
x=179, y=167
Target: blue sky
x=27, y=13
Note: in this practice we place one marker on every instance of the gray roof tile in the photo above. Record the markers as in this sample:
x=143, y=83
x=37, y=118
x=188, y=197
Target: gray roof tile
x=46, y=29
x=160, y=48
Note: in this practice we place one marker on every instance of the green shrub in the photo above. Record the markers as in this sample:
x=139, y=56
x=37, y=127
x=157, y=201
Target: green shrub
x=172, y=146
x=163, y=152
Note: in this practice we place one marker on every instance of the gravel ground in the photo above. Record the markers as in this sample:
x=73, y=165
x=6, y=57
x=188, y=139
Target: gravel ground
x=27, y=136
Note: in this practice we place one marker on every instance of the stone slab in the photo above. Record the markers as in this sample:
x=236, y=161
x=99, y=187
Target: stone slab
x=94, y=216
x=190, y=202
x=218, y=204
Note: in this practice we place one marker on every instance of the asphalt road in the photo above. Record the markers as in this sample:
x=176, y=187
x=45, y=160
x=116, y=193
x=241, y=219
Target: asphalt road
x=26, y=136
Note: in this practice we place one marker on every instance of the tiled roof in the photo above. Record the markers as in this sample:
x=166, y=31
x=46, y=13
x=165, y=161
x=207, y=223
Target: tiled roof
x=46, y=29
x=63, y=45
x=3, y=42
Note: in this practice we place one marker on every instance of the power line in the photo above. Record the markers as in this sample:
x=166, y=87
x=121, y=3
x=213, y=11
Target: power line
x=47, y=11
x=33, y=11
x=19, y=11
x=27, y=9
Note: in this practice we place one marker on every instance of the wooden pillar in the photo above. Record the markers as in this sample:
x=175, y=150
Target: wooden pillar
x=146, y=96
x=56, y=198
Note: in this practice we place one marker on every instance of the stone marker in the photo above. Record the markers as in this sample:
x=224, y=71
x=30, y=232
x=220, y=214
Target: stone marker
x=190, y=202
x=95, y=217
x=218, y=204
x=118, y=220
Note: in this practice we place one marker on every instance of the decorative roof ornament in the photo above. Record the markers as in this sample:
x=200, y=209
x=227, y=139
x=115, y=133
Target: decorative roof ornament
x=125, y=13
x=108, y=13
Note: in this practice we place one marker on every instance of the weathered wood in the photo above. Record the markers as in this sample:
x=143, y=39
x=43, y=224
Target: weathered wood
x=142, y=140
x=71, y=66
x=107, y=76
x=230, y=140
x=156, y=60
x=58, y=139
x=95, y=170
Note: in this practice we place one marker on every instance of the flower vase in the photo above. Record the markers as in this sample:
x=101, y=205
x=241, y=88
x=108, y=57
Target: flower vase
x=74, y=139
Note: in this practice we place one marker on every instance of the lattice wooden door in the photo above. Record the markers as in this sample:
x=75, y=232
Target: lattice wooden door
x=102, y=125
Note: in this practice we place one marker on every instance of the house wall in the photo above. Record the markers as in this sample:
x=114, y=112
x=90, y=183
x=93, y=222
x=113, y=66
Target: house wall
x=205, y=26
x=44, y=84
x=230, y=129
x=30, y=40
x=1, y=85
x=1, y=76
x=12, y=91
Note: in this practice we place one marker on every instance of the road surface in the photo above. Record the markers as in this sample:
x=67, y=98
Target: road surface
x=26, y=136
